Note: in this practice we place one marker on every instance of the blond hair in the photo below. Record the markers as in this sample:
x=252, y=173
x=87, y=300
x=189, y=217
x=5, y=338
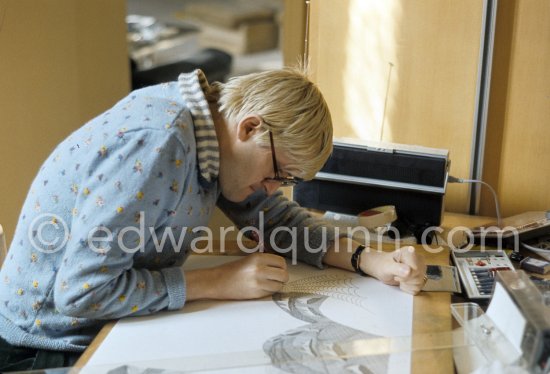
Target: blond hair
x=291, y=107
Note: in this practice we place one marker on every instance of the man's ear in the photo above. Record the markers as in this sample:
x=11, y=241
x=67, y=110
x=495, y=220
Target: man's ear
x=248, y=127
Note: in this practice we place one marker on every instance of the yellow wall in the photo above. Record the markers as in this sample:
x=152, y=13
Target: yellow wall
x=293, y=31
x=517, y=157
x=61, y=63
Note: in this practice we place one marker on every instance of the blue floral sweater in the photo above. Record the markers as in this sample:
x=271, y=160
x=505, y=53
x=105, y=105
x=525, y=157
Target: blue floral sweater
x=113, y=213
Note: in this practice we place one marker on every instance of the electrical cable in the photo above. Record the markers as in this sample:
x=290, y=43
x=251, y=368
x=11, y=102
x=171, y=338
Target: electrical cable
x=452, y=179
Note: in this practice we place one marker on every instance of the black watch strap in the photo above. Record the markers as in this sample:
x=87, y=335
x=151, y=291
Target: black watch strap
x=355, y=260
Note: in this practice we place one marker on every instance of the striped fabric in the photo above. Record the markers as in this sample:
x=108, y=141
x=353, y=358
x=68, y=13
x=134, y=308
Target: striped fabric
x=194, y=87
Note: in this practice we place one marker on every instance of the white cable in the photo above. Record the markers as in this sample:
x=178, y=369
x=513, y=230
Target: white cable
x=452, y=179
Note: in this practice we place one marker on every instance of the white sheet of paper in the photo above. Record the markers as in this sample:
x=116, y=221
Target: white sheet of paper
x=326, y=306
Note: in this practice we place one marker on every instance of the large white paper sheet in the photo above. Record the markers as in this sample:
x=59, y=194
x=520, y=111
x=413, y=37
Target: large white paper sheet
x=300, y=330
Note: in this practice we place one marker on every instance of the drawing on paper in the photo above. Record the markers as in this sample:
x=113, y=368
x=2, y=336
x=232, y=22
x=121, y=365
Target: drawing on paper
x=309, y=327
x=314, y=347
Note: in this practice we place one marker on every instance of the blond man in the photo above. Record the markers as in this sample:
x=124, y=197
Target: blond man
x=130, y=188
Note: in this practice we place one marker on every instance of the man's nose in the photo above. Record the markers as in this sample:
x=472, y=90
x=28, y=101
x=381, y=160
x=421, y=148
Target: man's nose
x=271, y=186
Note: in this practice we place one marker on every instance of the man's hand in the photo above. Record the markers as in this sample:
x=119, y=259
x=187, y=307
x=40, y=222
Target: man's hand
x=252, y=277
x=403, y=268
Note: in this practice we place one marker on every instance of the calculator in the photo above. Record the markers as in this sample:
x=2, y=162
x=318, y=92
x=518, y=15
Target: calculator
x=478, y=268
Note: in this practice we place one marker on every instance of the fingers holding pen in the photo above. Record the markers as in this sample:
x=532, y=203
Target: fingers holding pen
x=251, y=277
x=266, y=272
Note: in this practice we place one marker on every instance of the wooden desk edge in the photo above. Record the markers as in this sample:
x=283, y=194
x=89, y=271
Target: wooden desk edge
x=94, y=345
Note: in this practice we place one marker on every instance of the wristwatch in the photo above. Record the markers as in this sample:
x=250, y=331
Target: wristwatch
x=355, y=257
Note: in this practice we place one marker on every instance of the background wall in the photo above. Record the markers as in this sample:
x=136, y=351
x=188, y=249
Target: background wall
x=61, y=63
x=293, y=31
x=517, y=155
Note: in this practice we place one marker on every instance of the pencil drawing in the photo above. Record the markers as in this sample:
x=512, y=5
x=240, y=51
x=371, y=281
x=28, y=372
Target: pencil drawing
x=313, y=348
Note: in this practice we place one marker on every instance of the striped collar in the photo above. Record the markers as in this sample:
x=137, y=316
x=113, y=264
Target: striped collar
x=194, y=87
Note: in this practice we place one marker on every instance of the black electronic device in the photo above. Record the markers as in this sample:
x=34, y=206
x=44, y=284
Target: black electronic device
x=361, y=175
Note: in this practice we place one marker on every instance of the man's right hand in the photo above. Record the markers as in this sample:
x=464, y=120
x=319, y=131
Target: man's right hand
x=252, y=277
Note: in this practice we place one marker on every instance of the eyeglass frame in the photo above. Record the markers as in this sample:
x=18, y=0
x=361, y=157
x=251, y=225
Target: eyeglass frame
x=284, y=181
